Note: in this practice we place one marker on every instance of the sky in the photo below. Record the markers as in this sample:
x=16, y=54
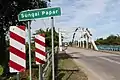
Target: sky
x=102, y=17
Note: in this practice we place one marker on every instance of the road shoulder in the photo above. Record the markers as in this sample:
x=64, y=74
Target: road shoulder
x=69, y=68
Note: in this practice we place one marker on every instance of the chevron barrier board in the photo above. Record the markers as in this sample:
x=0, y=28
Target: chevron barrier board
x=40, y=54
x=17, y=62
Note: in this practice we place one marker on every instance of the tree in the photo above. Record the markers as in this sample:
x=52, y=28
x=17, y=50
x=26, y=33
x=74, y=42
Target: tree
x=110, y=40
x=99, y=41
x=48, y=41
x=9, y=9
x=47, y=33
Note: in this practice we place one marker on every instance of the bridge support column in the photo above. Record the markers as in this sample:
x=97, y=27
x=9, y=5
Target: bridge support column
x=76, y=43
x=91, y=46
x=60, y=41
x=80, y=44
x=86, y=42
x=83, y=44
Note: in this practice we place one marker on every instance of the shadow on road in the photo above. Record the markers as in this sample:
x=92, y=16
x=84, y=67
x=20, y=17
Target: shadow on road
x=61, y=72
x=81, y=56
x=66, y=56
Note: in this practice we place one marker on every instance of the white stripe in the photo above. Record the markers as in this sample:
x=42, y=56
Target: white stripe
x=39, y=47
x=17, y=45
x=41, y=38
x=17, y=31
x=17, y=59
x=13, y=70
x=37, y=62
x=110, y=60
x=38, y=55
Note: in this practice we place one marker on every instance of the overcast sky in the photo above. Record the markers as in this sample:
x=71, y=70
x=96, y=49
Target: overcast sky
x=102, y=17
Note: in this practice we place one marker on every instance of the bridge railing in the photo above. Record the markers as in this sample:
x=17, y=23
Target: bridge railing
x=109, y=47
x=47, y=67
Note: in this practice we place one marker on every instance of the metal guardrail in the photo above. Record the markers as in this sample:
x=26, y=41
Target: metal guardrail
x=48, y=64
x=109, y=47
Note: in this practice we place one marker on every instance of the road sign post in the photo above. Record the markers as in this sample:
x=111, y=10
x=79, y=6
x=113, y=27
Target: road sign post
x=53, y=62
x=18, y=76
x=36, y=14
x=40, y=52
x=39, y=13
x=17, y=62
x=29, y=42
x=40, y=72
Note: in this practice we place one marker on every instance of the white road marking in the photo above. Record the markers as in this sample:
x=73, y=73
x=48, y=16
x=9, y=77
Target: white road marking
x=113, y=61
x=88, y=69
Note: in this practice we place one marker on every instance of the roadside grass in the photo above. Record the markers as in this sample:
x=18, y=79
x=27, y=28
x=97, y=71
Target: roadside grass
x=68, y=70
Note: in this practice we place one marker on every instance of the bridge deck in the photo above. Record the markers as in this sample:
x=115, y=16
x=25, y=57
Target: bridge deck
x=101, y=65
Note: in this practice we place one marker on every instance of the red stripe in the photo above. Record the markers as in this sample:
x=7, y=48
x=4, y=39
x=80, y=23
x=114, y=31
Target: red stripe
x=43, y=35
x=39, y=42
x=21, y=27
x=40, y=51
x=39, y=60
x=17, y=38
x=16, y=66
x=17, y=52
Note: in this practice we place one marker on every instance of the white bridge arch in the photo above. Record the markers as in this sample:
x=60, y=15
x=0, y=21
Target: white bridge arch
x=85, y=36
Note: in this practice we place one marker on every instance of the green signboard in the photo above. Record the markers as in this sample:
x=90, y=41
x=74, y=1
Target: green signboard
x=39, y=13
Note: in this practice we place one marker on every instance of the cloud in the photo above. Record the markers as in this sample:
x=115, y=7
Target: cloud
x=77, y=12
x=101, y=16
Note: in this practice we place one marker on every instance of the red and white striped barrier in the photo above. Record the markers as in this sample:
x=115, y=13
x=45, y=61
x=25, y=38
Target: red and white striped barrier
x=40, y=54
x=17, y=61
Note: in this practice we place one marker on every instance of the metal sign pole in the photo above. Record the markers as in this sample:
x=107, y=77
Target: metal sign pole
x=40, y=72
x=29, y=42
x=53, y=64
x=18, y=76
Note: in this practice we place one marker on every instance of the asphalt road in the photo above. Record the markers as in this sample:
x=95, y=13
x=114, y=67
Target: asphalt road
x=101, y=65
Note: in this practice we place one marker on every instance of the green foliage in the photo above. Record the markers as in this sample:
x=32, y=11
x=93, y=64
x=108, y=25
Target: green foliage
x=110, y=40
x=1, y=70
x=48, y=41
x=47, y=33
x=9, y=10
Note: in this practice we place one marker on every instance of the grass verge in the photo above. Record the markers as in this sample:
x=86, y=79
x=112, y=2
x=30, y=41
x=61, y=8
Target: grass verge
x=68, y=70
